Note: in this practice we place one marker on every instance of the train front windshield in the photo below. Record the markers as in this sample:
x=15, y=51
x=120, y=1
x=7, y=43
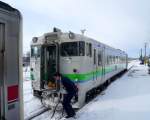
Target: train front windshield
x=73, y=49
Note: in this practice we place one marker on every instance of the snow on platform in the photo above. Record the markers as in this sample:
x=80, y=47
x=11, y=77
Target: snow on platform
x=31, y=103
x=128, y=98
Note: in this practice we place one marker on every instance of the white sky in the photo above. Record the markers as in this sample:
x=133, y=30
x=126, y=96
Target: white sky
x=122, y=24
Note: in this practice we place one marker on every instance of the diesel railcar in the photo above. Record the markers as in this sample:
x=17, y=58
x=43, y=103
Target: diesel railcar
x=85, y=61
x=11, y=103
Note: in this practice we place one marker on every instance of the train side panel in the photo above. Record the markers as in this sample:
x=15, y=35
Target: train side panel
x=11, y=78
x=100, y=73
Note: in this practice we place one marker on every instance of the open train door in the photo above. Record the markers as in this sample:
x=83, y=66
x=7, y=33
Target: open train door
x=50, y=65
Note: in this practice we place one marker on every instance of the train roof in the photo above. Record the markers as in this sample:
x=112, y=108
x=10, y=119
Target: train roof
x=6, y=6
x=79, y=37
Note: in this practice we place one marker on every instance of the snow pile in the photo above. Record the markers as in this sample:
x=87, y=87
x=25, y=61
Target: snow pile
x=128, y=98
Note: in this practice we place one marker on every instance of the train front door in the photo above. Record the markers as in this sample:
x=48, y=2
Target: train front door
x=2, y=107
x=50, y=63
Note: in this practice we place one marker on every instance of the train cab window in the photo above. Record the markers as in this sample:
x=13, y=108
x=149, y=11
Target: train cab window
x=69, y=49
x=35, y=51
x=81, y=48
x=89, y=49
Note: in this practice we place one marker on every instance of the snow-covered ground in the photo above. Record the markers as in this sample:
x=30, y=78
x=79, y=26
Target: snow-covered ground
x=31, y=103
x=128, y=98
x=26, y=73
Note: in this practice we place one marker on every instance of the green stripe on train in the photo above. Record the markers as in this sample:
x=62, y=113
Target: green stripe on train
x=88, y=76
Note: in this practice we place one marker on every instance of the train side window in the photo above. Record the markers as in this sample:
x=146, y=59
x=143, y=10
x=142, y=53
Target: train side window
x=89, y=49
x=81, y=48
x=94, y=56
x=99, y=59
x=117, y=59
x=114, y=60
x=110, y=60
x=107, y=60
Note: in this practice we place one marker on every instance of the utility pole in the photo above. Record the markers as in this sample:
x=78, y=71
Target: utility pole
x=141, y=56
x=141, y=53
x=145, y=58
x=145, y=49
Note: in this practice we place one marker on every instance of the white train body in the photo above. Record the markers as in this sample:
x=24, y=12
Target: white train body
x=85, y=61
x=11, y=99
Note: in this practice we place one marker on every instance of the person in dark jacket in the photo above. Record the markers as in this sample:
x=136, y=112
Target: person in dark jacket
x=71, y=92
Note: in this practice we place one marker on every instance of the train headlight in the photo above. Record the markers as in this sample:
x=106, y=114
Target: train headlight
x=71, y=35
x=34, y=40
